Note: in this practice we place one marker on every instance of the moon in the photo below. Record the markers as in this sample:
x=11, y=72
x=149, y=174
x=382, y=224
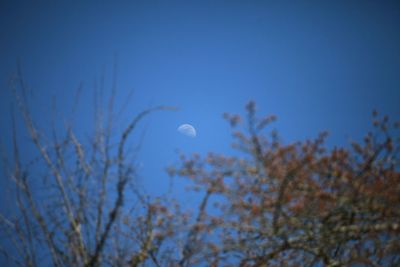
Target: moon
x=187, y=130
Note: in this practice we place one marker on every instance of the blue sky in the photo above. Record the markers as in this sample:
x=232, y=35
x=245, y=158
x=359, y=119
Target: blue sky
x=317, y=65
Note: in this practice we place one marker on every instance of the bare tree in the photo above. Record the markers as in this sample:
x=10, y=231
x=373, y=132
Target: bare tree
x=78, y=216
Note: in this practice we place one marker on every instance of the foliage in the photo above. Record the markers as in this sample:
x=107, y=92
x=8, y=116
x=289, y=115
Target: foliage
x=299, y=204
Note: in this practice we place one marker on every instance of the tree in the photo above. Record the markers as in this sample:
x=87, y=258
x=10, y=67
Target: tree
x=70, y=199
x=270, y=204
x=298, y=204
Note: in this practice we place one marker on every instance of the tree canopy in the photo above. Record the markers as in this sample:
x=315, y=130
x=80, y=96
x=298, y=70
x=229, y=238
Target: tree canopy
x=299, y=204
x=269, y=204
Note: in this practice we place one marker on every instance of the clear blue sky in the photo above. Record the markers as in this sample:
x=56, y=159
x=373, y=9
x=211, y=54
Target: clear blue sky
x=317, y=65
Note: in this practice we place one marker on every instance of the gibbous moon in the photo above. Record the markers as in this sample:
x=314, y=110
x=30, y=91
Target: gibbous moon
x=187, y=129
